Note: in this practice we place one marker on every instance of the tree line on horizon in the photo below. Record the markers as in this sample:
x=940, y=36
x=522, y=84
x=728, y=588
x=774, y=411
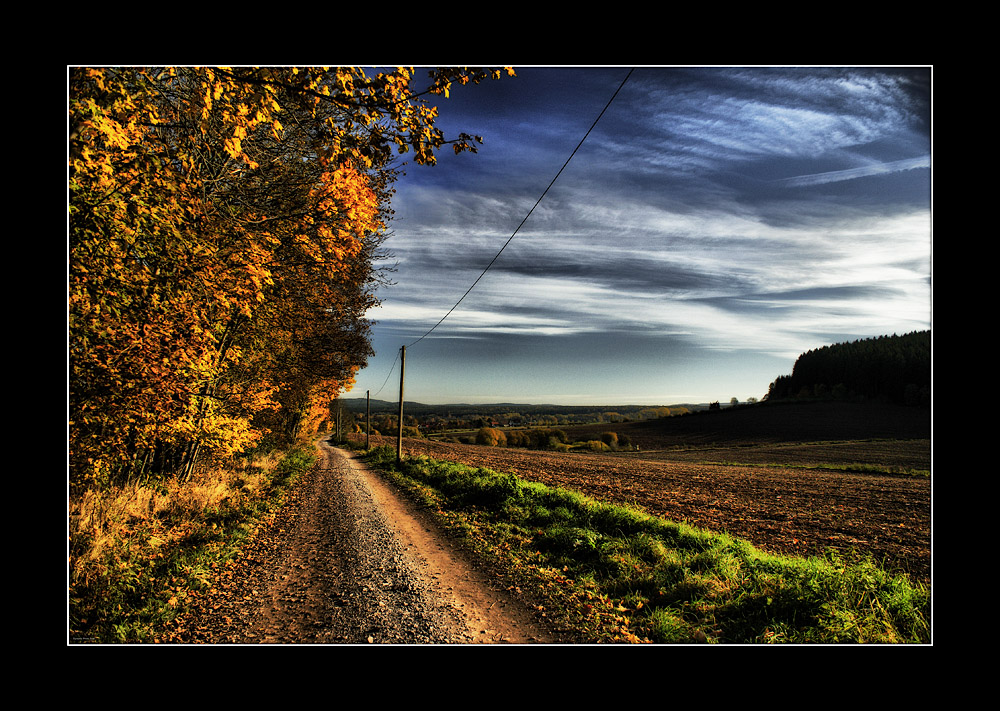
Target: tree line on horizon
x=432, y=418
x=895, y=369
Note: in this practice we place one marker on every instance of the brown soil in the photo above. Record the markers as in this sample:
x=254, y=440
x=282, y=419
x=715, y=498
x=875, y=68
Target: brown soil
x=349, y=561
x=783, y=510
x=346, y=560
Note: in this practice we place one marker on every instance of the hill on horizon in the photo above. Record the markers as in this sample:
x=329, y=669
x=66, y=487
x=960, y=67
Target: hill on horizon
x=358, y=404
x=888, y=368
x=793, y=421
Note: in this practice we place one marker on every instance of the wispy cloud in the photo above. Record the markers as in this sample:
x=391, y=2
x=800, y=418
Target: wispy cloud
x=865, y=171
x=675, y=230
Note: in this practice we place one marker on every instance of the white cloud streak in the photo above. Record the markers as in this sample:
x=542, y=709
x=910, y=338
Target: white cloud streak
x=725, y=263
x=865, y=171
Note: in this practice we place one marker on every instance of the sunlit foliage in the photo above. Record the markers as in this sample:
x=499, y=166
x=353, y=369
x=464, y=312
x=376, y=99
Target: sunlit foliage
x=223, y=226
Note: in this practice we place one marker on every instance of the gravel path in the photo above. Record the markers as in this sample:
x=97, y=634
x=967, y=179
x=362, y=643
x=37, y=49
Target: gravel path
x=348, y=561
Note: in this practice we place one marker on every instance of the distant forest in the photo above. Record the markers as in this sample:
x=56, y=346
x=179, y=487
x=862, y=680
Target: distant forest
x=432, y=418
x=893, y=369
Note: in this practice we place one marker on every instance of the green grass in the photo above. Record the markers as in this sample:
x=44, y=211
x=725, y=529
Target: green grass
x=850, y=467
x=616, y=574
x=139, y=553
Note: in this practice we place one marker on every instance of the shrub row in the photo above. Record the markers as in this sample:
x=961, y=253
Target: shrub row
x=545, y=438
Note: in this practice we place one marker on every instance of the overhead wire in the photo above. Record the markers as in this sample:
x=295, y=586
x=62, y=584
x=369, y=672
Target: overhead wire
x=540, y=197
x=391, y=369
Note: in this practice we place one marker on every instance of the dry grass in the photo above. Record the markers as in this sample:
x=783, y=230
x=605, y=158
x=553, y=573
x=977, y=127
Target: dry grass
x=101, y=514
x=128, y=546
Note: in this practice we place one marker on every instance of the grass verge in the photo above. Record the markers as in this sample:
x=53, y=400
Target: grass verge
x=137, y=553
x=616, y=574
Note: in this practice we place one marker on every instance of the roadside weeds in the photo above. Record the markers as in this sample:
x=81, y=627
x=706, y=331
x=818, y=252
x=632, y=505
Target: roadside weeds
x=616, y=574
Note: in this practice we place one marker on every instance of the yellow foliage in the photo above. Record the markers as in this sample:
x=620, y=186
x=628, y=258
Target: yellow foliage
x=491, y=437
x=218, y=253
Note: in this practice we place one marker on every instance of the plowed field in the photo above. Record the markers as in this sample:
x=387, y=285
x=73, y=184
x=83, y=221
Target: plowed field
x=784, y=510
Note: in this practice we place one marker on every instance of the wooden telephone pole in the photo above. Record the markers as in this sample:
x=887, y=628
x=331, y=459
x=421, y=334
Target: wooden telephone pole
x=368, y=419
x=402, y=370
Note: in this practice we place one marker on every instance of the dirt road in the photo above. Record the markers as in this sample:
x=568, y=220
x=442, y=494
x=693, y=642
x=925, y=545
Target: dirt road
x=348, y=561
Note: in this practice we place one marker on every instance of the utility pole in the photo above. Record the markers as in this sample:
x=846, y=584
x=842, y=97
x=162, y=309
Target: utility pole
x=402, y=370
x=368, y=419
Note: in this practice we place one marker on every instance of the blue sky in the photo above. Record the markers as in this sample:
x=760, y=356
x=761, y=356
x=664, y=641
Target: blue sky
x=716, y=223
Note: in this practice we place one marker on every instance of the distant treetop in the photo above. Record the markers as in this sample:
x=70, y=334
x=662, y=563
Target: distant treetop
x=888, y=368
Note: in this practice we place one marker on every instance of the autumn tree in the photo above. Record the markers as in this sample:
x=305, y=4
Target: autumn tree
x=491, y=437
x=224, y=223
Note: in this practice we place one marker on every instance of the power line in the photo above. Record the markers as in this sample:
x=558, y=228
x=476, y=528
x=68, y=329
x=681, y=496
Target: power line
x=551, y=183
x=391, y=368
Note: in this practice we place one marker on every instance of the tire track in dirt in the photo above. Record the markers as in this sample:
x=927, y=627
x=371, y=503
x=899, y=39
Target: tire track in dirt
x=348, y=561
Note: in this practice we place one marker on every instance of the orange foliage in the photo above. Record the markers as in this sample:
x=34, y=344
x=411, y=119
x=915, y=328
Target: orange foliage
x=223, y=226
